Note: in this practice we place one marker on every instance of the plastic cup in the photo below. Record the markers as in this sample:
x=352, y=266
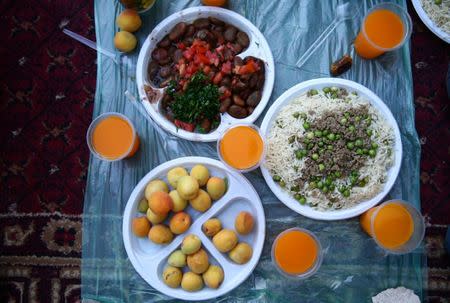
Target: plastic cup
x=130, y=151
x=369, y=218
x=313, y=269
x=367, y=48
x=246, y=169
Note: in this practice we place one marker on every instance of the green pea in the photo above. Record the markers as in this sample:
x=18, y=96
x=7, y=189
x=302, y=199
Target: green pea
x=320, y=185
x=351, y=128
x=359, y=151
x=325, y=189
x=374, y=145
x=354, y=173
x=350, y=145
x=326, y=90
x=338, y=136
x=337, y=174
x=306, y=140
x=347, y=115
x=357, y=118
x=328, y=181
x=325, y=132
x=291, y=139
x=302, y=200
x=306, y=125
x=438, y=2
x=321, y=151
x=310, y=135
x=365, y=151
x=318, y=133
x=368, y=121
x=358, y=142
x=334, y=95
x=369, y=132
x=346, y=193
x=330, y=147
x=331, y=136
x=295, y=188
x=355, y=93
x=321, y=167
x=276, y=178
x=353, y=180
x=342, y=189
x=282, y=183
x=313, y=92
x=296, y=115
x=334, y=89
x=332, y=187
x=372, y=153
x=310, y=145
x=312, y=184
x=362, y=183
x=304, y=152
x=299, y=154
x=343, y=121
x=303, y=116
x=297, y=197
x=315, y=156
x=320, y=143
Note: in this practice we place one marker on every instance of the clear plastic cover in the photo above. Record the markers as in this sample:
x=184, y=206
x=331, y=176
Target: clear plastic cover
x=354, y=268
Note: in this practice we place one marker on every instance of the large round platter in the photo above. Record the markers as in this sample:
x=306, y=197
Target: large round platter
x=150, y=259
x=428, y=22
x=308, y=211
x=258, y=48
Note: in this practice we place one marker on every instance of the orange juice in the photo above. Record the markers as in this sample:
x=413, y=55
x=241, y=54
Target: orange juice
x=241, y=147
x=295, y=252
x=392, y=225
x=382, y=30
x=113, y=137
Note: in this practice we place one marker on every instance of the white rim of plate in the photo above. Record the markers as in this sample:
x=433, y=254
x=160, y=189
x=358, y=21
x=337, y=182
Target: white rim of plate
x=215, y=209
x=393, y=171
x=429, y=23
x=258, y=48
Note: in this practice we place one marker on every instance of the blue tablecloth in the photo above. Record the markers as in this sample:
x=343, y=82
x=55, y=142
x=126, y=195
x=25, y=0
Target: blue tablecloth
x=354, y=268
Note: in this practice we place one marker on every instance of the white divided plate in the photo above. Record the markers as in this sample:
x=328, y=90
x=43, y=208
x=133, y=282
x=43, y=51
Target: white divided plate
x=258, y=48
x=150, y=259
x=361, y=207
x=428, y=22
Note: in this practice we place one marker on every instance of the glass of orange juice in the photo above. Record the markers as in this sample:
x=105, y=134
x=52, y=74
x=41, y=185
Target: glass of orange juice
x=386, y=27
x=112, y=137
x=395, y=225
x=241, y=147
x=297, y=253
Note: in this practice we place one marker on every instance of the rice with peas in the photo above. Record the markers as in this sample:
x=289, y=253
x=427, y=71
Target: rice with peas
x=301, y=150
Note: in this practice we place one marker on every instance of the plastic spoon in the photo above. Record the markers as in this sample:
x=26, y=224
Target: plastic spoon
x=344, y=11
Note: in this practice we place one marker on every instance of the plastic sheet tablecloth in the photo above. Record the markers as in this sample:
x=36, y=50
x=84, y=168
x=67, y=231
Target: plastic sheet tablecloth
x=354, y=268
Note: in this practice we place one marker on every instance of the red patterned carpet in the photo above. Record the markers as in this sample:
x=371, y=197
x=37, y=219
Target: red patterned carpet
x=47, y=88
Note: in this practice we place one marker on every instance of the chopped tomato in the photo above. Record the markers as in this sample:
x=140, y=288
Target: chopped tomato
x=200, y=58
x=184, y=125
x=249, y=68
x=226, y=67
x=206, y=69
x=217, y=78
x=189, y=53
x=181, y=45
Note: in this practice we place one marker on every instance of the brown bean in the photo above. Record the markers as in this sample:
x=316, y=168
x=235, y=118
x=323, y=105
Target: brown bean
x=237, y=85
x=230, y=33
x=159, y=53
x=253, y=80
x=218, y=36
x=190, y=31
x=237, y=47
x=254, y=98
x=238, y=61
x=238, y=100
x=228, y=54
x=177, y=55
x=261, y=79
x=237, y=111
x=172, y=50
x=165, y=42
x=188, y=41
x=226, y=81
x=177, y=31
x=242, y=39
x=165, y=82
x=165, y=71
x=216, y=21
x=250, y=110
x=244, y=94
x=201, y=23
x=219, y=28
x=225, y=104
x=152, y=69
x=206, y=125
x=205, y=35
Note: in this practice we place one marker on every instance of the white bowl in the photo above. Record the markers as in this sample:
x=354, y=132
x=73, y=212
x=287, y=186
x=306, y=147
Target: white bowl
x=392, y=173
x=258, y=48
x=150, y=259
x=428, y=22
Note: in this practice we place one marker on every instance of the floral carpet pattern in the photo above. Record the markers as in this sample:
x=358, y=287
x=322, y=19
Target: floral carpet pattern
x=47, y=87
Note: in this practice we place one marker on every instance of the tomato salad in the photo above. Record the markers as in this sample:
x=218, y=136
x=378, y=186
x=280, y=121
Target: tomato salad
x=206, y=51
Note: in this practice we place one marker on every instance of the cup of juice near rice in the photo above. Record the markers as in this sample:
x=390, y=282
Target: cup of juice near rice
x=395, y=225
x=241, y=147
x=297, y=253
x=386, y=27
x=112, y=137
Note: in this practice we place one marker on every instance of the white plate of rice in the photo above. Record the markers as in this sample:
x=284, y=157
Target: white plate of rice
x=372, y=181
x=436, y=16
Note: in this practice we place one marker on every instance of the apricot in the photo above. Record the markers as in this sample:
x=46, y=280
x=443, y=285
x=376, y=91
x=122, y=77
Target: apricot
x=213, y=276
x=191, y=281
x=198, y=262
x=140, y=226
x=187, y=187
x=178, y=203
x=202, y=202
x=174, y=174
x=214, y=2
x=211, y=227
x=125, y=41
x=143, y=206
x=200, y=173
x=155, y=185
x=155, y=218
x=177, y=259
x=129, y=20
x=172, y=276
x=160, y=234
x=180, y=222
x=215, y=187
x=160, y=203
x=191, y=244
x=244, y=223
x=242, y=253
x=225, y=240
